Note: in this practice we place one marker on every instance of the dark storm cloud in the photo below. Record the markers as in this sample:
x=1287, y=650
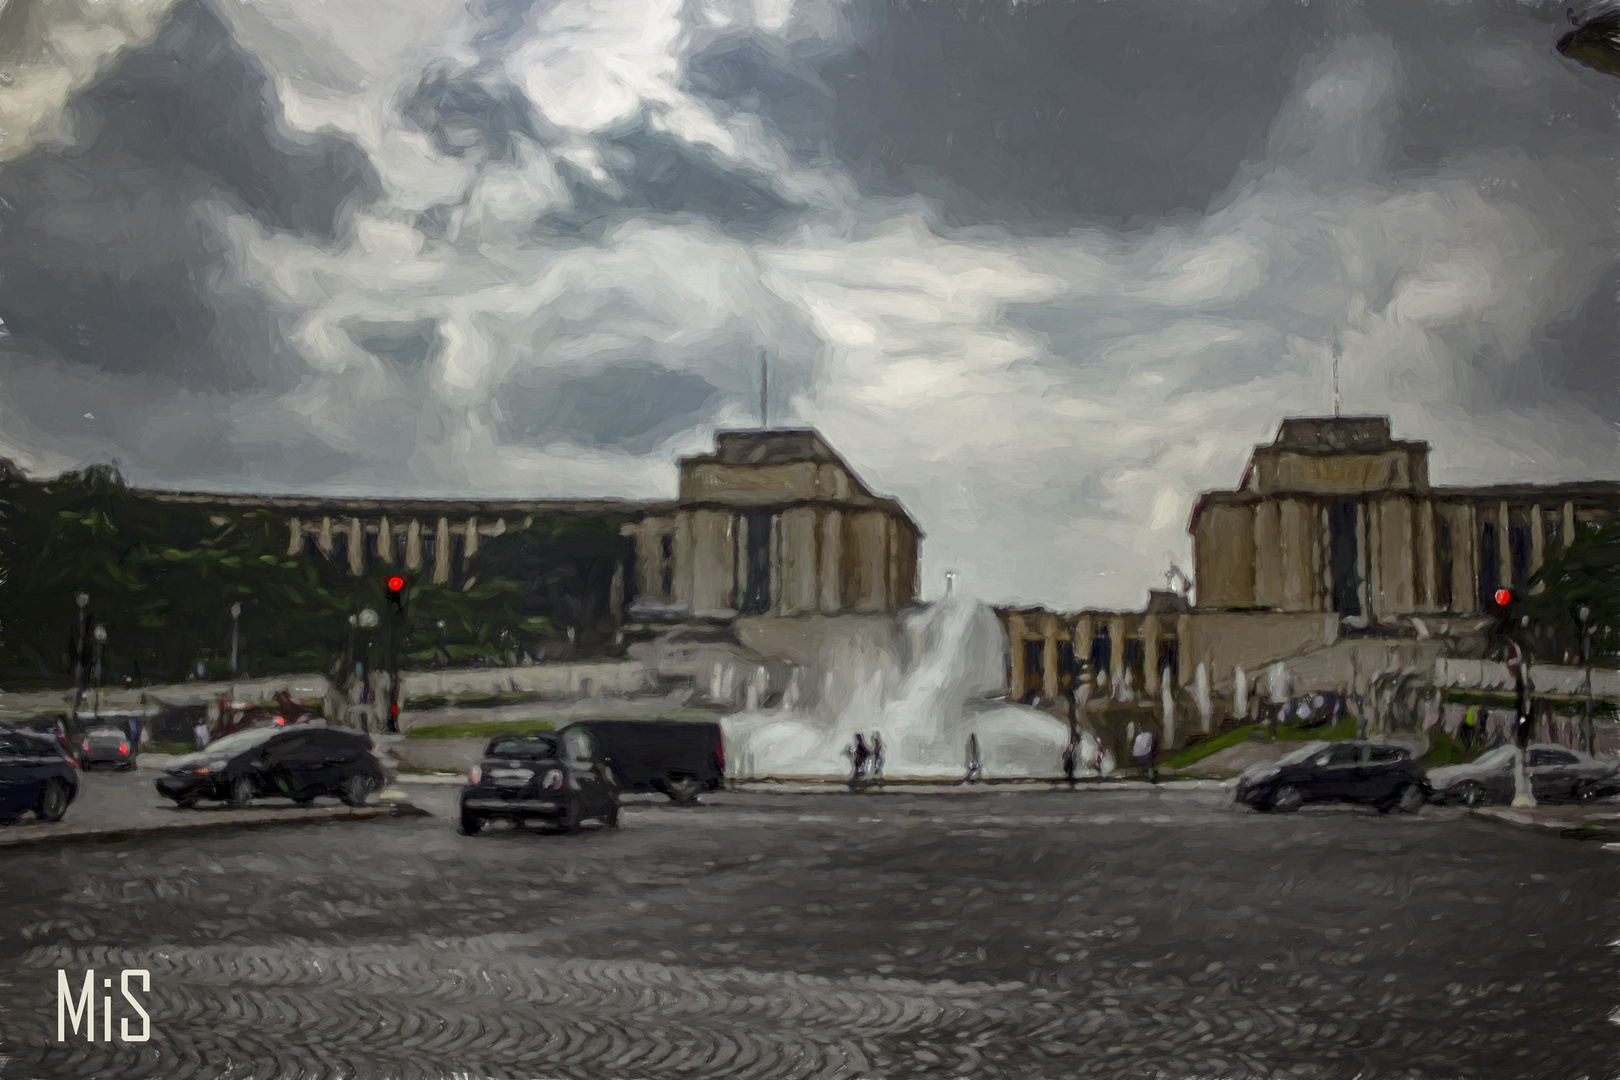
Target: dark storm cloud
x=1044, y=270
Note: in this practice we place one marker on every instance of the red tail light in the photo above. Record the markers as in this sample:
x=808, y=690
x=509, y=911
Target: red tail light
x=123, y=748
x=720, y=750
x=86, y=745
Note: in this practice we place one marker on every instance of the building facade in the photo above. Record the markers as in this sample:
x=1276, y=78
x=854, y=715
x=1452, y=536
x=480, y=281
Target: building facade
x=1333, y=530
x=773, y=523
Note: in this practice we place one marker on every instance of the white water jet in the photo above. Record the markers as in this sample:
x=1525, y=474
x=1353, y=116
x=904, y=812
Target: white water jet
x=1206, y=707
x=1240, y=693
x=925, y=693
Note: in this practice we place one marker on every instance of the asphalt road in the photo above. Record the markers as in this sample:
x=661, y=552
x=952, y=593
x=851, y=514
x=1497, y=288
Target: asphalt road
x=1133, y=934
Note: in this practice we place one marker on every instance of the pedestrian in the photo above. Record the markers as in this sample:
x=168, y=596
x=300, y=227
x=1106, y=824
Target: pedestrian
x=200, y=734
x=862, y=755
x=1142, y=753
x=1467, y=729
x=973, y=767
x=1069, y=754
x=877, y=757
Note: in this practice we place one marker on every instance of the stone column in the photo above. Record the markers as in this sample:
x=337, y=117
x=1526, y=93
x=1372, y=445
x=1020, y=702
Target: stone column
x=616, y=593
x=470, y=547
x=1428, y=598
x=295, y=536
x=1538, y=539
x=1049, y=657
x=325, y=537
x=832, y=527
x=413, y=545
x=1568, y=531
x=1116, y=649
x=441, y=551
x=385, y=541
x=1504, y=557
x=1082, y=643
x=1015, y=642
x=357, y=546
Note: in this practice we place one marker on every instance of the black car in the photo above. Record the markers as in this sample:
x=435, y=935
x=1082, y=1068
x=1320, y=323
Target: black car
x=35, y=774
x=106, y=745
x=678, y=758
x=299, y=763
x=541, y=776
x=1363, y=772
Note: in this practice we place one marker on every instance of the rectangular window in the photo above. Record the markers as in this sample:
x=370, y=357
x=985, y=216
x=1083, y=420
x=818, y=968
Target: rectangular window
x=1135, y=655
x=757, y=593
x=1168, y=657
x=1344, y=557
x=1102, y=654
x=1519, y=553
x=340, y=548
x=458, y=557
x=1034, y=670
x=430, y=544
x=1068, y=664
x=1489, y=567
x=1549, y=533
x=667, y=577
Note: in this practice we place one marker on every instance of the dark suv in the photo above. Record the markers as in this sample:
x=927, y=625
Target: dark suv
x=547, y=776
x=299, y=763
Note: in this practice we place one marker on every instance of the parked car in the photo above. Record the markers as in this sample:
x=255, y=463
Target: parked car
x=558, y=777
x=105, y=744
x=301, y=763
x=678, y=758
x=1556, y=773
x=35, y=774
x=1353, y=771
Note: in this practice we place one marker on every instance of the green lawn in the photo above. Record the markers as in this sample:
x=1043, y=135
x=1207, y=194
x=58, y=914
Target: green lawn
x=1191, y=755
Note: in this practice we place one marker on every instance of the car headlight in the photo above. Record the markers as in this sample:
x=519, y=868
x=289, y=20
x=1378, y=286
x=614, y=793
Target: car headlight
x=553, y=781
x=475, y=774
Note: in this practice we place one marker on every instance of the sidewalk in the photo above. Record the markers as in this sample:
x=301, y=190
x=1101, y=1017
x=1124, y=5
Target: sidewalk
x=1593, y=822
x=900, y=787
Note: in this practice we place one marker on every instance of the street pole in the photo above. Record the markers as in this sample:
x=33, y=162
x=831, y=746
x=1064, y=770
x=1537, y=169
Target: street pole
x=82, y=599
x=100, y=636
x=1522, y=795
x=1587, y=735
x=236, y=617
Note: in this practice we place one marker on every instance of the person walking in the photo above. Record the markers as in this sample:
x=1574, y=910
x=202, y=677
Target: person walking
x=200, y=734
x=859, y=756
x=973, y=767
x=877, y=758
x=1142, y=753
x=1070, y=753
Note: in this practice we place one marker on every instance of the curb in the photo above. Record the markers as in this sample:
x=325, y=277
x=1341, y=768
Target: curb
x=1592, y=827
x=65, y=832
x=1017, y=787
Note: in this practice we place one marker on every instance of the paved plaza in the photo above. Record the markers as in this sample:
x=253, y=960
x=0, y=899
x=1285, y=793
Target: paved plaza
x=1105, y=933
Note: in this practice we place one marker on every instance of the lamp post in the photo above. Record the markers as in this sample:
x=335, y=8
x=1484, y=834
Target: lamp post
x=444, y=650
x=1585, y=615
x=100, y=636
x=83, y=600
x=236, y=625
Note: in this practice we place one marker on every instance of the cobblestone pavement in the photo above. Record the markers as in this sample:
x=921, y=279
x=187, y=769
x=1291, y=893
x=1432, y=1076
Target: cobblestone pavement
x=1131, y=934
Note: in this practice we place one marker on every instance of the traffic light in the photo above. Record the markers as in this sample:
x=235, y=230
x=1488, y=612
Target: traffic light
x=1505, y=606
x=395, y=584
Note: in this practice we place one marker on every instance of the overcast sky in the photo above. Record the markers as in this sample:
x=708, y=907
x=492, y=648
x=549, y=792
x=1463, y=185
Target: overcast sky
x=1042, y=271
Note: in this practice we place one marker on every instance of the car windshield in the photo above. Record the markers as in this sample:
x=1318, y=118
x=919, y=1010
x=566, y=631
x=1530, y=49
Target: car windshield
x=1302, y=753
x=242, y=740
x=1500, y=756
x=524, y=746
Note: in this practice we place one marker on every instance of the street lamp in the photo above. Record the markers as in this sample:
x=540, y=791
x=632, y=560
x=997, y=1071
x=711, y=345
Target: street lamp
x=444, y=651
x=236, y=622
x=100, y=636
x=82, y=599
x=1585, y=615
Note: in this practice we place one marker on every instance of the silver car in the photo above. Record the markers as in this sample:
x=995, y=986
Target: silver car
x=1556, y=773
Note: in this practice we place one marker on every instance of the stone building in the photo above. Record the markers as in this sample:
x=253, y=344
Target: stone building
x=1334, y=532
x=773, y=523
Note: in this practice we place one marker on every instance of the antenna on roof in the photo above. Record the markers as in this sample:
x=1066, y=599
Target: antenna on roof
x=1338, y=351
x=764, y=391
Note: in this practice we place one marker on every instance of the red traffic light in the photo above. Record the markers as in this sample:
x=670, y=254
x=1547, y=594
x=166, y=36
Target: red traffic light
x=1504, y=597
x=397, y=584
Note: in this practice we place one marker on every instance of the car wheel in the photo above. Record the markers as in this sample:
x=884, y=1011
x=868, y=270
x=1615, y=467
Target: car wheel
x=1470, y=794
x=242, y=791
x=188, y=803
x=611, y=818
x=1286, y=799
x=470, y=823
x=355, y=789
x=53, y=801
x=1409, y=800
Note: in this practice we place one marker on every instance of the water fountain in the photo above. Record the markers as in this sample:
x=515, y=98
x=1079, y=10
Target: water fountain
x=925, y=691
